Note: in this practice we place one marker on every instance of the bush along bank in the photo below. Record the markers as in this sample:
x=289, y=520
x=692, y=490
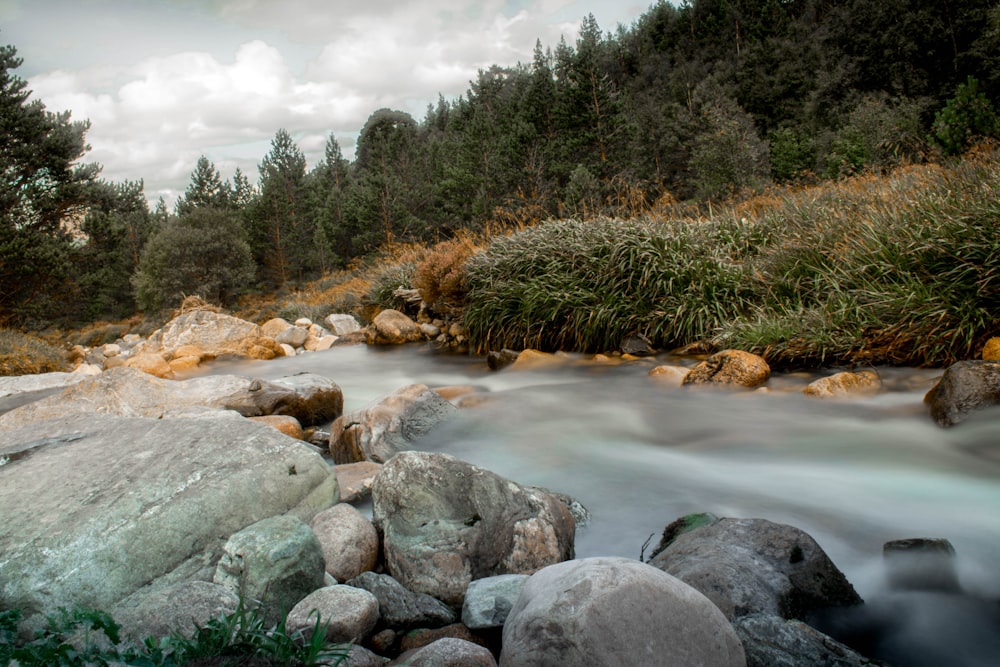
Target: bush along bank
x=899, y=269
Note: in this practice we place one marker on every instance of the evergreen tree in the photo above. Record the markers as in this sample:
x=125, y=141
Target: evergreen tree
x=207, y=189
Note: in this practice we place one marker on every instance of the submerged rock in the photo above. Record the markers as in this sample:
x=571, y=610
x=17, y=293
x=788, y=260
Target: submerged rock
x=965, y=387
x=845, y=385
x=730, y=368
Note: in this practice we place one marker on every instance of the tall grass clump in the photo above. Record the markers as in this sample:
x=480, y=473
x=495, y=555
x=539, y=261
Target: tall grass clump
x=900, y=269
x=583, y=285
x=23, y=354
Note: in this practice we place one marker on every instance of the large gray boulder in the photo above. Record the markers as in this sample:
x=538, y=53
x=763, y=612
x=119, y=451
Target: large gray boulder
x=275, y=563
x=965, y=387
x=750, y=566
x=615, y=611
x=446, y=522
x=95, y=507
x=215, y=334
x=178, y=608
x=388, y=426
x=128, y=392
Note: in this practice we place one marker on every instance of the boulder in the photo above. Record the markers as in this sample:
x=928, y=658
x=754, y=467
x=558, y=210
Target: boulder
x=420, y=637
x=533, y=360
x=845, y=385
x=446, y=522
x=750, y=566
x=276, y=561
x=290, y=426
x=355, y=480
x=341, y=324
x=450, y=652
x=615, y=611
x=730, y=368
x=668, y=376
x=349, y=541
x=489, y=600
x=401, y=608
x=965, y=387
x=388, y=426
x=151, y=363
x=921, y=564
x=772, y=641
x=37, y=384
x=215, y=334
x=347, y=614
x=128, y=392
x=391, y=327
x=95, y=507
x=177, y=608
x=295, y=336
x=319, y=343
x=498, y=359
x=320, y=399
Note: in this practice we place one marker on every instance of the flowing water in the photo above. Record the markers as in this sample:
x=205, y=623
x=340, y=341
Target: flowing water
x=853, y=474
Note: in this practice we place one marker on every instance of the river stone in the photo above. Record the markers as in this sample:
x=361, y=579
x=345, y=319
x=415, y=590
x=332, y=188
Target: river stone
x=151, y=363
x=388, y=426
x=355, y=480
x=295, y=336
x=668, y=375
x=215, y=334
x=730, y=368
x=94, y=507
x=748, y=566
x=965, y=387
x=178, y=608
x=277, y=561
x=637, y=345
x=446, y=522
x=391, y=327
x=450, y=652
x=290, y=426
x=844, y=385
x=348, y=614
x=128, y=392
x=921, y=564
x=615, y=611
x=489, y=600
x=349, y=541
x=341, y=324
x=991, y=351
x=499, y=359
x=772, y=641
x=401, y=608
x=319, y=399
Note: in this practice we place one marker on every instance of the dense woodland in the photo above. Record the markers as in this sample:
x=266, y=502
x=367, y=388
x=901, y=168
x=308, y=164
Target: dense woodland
x=701, y=102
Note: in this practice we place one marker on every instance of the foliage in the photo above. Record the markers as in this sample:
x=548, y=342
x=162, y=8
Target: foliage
x=968, y=116
x=440, y=277
x=23, y=354
x=85, y=637
x=202, y=252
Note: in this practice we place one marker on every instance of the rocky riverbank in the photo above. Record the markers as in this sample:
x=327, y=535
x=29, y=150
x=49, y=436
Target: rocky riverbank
x=163, y=501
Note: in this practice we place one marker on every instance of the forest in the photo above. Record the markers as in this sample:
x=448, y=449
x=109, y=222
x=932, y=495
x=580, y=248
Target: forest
x=699, y=103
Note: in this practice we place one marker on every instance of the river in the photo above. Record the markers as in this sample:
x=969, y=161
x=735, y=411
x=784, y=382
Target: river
x=853, y=474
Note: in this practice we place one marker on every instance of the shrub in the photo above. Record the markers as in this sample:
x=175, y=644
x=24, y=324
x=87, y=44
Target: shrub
x=440, y=277
x=23, y=354
x=968, y=116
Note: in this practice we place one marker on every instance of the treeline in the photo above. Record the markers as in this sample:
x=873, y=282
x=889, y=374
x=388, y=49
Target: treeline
x=699, y=102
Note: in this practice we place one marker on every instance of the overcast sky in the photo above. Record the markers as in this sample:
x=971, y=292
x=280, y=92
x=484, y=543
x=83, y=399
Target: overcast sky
x=165, y=81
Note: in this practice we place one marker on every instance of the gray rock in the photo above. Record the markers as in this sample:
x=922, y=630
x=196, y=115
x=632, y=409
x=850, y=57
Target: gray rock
x=637, y=345
x=446, y=522
x=772, y=641
x=319, y=399
x=749, y=566
x=341, y=324
x=359, y=656
x=179, y=608
x=921, y=564
x=214, y=333
x=489, y=600
x=138, y=499
x=451, y=652
x=277, y=562
x=965, y=387
x=401, y=608
x=18, y=384
x=499, y=359
x=128, y=392
x=388, y=426
x=615, y=611
x=294, y=335
x=346, y=613
x=349, y=540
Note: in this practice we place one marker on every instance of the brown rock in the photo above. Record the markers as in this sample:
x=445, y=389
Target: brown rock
x=991, y=351
x=669, y=376
x=286, y=424
x=355, y=479
x=391, y=327
x=846, y=384
x=730, y=368
x=152, y=363
x=349, y=541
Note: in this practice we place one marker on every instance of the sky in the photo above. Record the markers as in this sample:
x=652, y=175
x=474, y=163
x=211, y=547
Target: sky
x=166, y=81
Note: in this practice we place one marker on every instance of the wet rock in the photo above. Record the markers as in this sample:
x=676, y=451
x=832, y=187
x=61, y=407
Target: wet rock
x=355, y=479
x=965, y=387
x=446, y=522
x=669, y=376
x=391, y=327
x=319, y=399
x=921, y=564
x=277, y=561
x=499, y=359
x=341, y=324
x=730, y=368
x=845, y=385
x=388, y=426
x=772, y=641
x=615, y=611
x=138, y=500
x=749, y=566
x=294, y=335
x=349, y=541
x=347, y=614
x=488, y=601
x=533, y=360
x=290, y=426
x=401, y=608
x=637, y=345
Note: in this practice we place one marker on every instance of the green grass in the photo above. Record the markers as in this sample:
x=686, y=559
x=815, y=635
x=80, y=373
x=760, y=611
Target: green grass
x=89, y=637
x=901, y=269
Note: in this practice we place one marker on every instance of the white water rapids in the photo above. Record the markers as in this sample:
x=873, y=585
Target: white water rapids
x=853, y=474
